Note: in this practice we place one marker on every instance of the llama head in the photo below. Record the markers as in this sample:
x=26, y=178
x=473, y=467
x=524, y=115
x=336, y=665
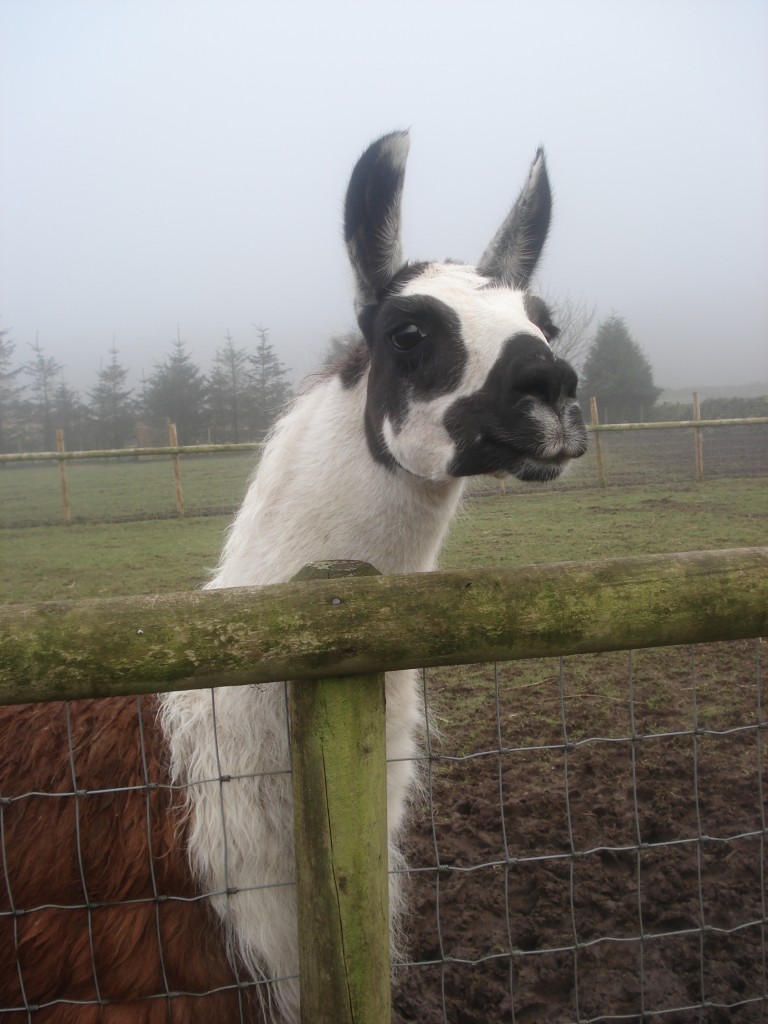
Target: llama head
x=462, y=379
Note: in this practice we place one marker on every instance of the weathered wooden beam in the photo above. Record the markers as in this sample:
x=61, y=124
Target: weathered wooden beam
x=64, y=650
x=211, y=449
x=339, y=777
x=677, y=424
x=130, y=453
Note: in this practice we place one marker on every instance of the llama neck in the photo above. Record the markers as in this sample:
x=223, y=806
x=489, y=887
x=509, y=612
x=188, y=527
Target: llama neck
x=319, y=495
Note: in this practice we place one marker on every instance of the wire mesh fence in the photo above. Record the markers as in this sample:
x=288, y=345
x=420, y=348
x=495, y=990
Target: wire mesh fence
x=131, y=487
x=590, y=845
x=123, y=488
x=648, y=454
x=593, y=842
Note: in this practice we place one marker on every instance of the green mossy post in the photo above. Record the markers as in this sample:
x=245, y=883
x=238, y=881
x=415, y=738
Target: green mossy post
x=64, y=650
x=339, y=773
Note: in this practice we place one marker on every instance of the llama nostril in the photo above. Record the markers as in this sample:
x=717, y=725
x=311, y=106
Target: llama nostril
x=541, y=381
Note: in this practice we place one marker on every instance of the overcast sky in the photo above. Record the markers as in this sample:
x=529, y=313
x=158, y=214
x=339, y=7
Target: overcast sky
x=169, y=162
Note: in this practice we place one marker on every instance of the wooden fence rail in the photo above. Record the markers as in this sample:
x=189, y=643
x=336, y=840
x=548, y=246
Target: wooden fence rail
x=64, y=650
x=173, y=450
x=342, y=628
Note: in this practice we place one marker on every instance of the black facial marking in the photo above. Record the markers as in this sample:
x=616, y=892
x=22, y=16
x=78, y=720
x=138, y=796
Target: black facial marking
x=400, y=375
x=493, y=428
x=405, y=274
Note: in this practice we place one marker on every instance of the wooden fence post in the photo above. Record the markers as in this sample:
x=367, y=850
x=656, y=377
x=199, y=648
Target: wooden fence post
x=598, y=441
x=339, y=775
x=697, y=438
x=66, y=510
x=173, y=441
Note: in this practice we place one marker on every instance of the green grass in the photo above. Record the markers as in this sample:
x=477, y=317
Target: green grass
x=161, y=555
x=98, y=560
x=122, y=489
x=54, y=563
x=562, y=525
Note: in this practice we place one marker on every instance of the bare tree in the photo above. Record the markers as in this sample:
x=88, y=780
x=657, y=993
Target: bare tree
x=339, y=346
x=574, y=319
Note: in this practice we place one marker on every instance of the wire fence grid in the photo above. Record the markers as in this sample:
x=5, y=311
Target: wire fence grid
x=590, y=845
x=126, y=486
x=597, y=850
x=650, y=454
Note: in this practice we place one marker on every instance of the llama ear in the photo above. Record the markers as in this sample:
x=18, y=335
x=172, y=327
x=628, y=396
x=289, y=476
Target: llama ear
x=516, y=247
x=372, y=215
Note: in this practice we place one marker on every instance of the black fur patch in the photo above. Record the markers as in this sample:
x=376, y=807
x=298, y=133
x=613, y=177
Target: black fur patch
x=539, y=314
x=406, y=273
x=492, y=428
x=434, y=367
x=372, y=214
x=354, y=365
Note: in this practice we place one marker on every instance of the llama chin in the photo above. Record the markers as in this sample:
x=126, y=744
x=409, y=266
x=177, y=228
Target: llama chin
x=454, y=377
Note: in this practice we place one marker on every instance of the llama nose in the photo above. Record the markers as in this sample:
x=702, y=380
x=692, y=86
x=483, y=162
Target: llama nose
x=550, y=380
x=533, y=369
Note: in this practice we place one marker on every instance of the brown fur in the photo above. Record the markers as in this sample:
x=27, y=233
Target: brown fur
x=60, y=949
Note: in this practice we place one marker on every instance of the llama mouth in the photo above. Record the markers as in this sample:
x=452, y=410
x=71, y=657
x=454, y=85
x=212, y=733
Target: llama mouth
x=495, y=455
x=539, y=470
x=530, y=462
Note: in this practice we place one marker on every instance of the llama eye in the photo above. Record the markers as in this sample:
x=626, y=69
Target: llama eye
x=406, y=338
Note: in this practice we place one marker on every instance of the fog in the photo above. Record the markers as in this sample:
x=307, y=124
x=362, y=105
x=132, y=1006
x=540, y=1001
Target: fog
x=184, y=163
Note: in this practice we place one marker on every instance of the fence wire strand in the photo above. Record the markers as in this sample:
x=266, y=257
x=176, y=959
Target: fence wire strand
x=693, y=884
x=130, y=488
x=591, y=846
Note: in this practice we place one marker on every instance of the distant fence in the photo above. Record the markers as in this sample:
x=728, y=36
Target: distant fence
x=139, y=505
x=686, y=449
x=329, y=629
x=622, y=454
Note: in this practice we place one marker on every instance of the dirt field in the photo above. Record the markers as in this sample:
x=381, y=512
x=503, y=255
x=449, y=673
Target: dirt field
x=603, y=840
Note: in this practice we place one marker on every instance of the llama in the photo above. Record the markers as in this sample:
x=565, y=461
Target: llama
x=454, y=376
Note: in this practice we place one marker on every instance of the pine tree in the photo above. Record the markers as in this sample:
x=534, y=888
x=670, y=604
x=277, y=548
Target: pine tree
x=71, y=416
x=618, y=374
x=269, y=388
x=10, y=396
x=176, y=391
x=113, y=410
x=228, y=388
x=43, y=372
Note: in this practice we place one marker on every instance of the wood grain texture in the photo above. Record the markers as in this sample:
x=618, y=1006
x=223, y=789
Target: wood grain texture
x=307, y=630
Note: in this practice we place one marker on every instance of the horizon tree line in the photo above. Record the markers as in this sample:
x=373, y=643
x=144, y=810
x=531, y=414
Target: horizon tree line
x=246, y=388
x=237, y=400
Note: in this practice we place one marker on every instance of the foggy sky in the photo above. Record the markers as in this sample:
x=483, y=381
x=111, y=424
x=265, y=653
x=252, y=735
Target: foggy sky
x=183, y=162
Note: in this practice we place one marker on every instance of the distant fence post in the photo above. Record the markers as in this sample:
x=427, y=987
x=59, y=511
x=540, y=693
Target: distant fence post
x=173, y=441
x=697, y=439
x=339, y=775
x=598, y=443
x=66, y=510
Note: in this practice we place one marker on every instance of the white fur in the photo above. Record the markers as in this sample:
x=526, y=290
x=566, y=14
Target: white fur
x=316, y=495
x=319, y=493
x=488, y=315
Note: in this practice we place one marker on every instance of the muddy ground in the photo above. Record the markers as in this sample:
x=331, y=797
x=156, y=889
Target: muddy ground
x=577, y=867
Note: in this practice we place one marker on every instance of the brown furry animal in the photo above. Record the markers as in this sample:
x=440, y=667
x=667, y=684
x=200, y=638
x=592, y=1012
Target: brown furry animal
x=118, y=928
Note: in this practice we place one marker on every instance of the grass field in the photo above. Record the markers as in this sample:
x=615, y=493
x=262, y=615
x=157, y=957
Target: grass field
x=635, y=757
x=121, y=489
x=152, y=556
